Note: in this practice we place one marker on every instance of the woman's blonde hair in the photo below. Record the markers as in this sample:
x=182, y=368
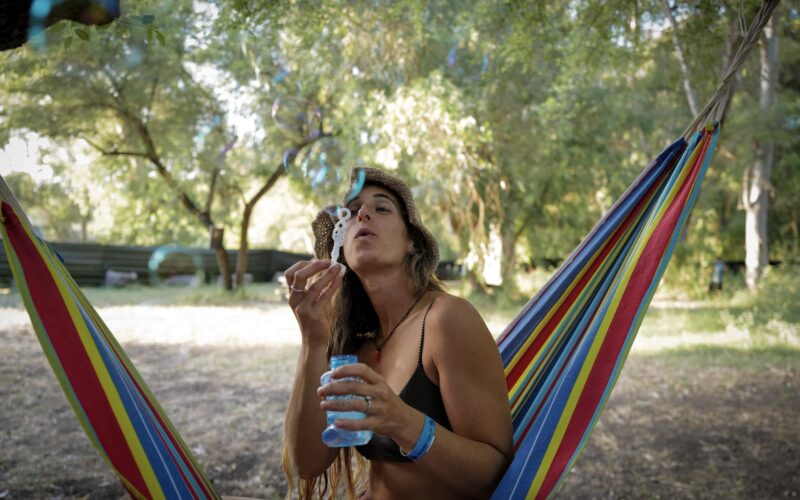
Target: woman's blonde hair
x=329, y=484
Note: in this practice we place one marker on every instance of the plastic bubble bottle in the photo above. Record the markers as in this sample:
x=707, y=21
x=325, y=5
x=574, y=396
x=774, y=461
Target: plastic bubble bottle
x=332, y=435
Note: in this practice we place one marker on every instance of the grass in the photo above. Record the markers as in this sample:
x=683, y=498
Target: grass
x=205, y=295
x=781, y=357
x=766, y=322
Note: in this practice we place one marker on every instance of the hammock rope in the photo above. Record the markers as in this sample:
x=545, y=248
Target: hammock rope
x=714, y=109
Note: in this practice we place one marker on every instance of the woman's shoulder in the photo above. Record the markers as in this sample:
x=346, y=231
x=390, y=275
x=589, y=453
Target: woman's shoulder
x=454, y=316
x=458, y=335
x=448, y=303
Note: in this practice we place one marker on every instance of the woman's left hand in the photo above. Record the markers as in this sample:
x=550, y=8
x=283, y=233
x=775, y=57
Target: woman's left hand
x=387, y=414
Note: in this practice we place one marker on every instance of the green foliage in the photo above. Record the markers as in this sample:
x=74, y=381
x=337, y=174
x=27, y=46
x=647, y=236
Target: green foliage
x=515, y=121
x=772, y=315
x=52, y=208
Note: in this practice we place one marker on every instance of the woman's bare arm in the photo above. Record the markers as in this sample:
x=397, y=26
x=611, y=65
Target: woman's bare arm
x=473, y=457
x=305, y=421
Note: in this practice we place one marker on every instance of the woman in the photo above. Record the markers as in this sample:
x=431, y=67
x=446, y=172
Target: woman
x=434, y=391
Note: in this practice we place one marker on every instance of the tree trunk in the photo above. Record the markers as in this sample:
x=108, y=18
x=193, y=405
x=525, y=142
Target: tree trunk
x=509, y=263
x=241, y=259
x=756, y=186
x=223, y=263
x=691, y=97
x=84, y=229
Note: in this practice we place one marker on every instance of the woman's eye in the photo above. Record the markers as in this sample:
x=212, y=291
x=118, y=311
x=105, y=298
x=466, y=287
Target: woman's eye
x=382, y=210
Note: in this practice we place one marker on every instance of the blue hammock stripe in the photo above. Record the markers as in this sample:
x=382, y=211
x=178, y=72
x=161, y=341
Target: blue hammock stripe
x=564, y=351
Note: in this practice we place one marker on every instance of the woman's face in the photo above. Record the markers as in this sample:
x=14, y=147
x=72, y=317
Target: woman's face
x=376, y=236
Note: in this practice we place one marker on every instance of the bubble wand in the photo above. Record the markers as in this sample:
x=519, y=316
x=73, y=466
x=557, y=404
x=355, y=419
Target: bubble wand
x=338, y=234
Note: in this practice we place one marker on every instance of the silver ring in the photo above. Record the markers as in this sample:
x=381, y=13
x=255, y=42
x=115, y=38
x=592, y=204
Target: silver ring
x=368, y=399
x=298, y=290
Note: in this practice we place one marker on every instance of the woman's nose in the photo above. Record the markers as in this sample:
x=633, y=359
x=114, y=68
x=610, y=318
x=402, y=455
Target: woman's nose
x=363, y=214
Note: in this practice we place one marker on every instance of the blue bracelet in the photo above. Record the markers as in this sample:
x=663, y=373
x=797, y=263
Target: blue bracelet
x=424, y=442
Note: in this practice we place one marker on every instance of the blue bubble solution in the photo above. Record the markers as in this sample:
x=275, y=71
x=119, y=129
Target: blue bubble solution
x=332, y=435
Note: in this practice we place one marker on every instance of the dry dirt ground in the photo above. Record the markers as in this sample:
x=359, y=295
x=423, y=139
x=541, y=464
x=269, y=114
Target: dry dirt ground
x=720, y=425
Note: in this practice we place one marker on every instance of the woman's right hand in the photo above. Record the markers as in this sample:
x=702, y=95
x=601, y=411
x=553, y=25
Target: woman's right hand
x=311, y=303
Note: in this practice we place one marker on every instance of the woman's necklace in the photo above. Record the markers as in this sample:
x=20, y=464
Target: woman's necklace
x=379, y=347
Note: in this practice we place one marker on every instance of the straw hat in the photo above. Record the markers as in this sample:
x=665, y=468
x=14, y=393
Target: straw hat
x=324, y=222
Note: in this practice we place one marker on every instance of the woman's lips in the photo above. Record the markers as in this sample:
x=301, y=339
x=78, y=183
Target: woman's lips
x=363, y=232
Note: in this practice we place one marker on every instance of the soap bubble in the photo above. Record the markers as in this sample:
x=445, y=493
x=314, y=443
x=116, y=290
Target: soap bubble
x=205, y=129
x=323, y=164
x=332, y=210
x=467, y=63
x=485, y=63
x=40, y=9
x=358, y=185
x=281, y=76
x=315, y=123
x=133, y=56
x=288, y=158
x=292, y=114
x=451, y=56
x=226, y=148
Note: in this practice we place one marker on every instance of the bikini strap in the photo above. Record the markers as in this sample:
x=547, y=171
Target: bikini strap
x=422, y=337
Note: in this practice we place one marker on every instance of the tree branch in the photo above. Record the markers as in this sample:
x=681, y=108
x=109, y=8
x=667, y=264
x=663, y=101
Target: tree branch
x=114, y=152
x=217, y=169
x=276, y=174
x=152, y=156
x=125, y=153
x=149, y=109
x=212, y=188
x=687, y=86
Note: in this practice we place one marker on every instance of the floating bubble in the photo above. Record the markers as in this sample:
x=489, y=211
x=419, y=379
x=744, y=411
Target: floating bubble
x=291, y=114
x=133, y=56
x=288, y=157
x=323, y=163
x=358, y=185
x=467, y=62
x=451, y=56
x=39, y=11
x=282, y=74
x=315, y=124
x=226, y=148
x=205, y=129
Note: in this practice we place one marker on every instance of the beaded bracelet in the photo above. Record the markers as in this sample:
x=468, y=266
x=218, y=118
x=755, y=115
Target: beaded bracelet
x=424, y=442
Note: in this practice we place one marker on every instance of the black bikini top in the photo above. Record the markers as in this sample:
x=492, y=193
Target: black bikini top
x=419, y=393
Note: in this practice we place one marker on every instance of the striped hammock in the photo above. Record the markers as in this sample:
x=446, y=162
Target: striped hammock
x=564, y=351
x=562, y=354
x=114, y=406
